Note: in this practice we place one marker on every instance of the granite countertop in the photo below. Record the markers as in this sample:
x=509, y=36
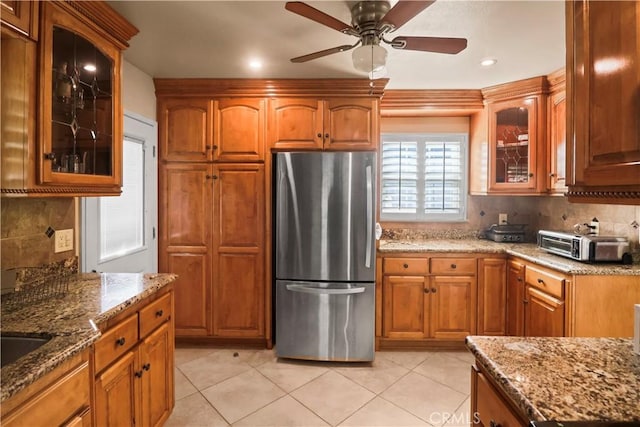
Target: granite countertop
x=70, y=321
x=564, y=379
x=527, y=251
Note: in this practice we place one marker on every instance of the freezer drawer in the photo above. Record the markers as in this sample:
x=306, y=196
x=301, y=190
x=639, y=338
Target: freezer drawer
x=325, y=321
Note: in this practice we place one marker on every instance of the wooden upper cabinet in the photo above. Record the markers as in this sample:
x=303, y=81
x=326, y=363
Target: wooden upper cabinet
x=186, y=128
x=21, y=16
x=351, y=124
x=557, y=132
x=603, y=126
x=517, y=136
x=338, y=124
x=296, y=124
x=239, y=130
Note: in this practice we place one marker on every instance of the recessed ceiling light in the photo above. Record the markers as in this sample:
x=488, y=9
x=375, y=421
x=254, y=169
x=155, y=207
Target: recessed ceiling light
x=90, y=67
x=488, y=62
x=255, y=64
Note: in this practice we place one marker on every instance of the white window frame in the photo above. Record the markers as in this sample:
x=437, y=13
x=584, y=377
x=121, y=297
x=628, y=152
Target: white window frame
x=421, y=139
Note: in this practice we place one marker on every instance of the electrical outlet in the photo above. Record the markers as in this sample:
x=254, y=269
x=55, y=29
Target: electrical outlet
x=63, y=240
x=502, y=218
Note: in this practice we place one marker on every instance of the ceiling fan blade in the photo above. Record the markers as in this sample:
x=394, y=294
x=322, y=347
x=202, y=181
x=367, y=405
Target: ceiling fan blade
x=403, y=11
x=322, y=53
x=316, y=15
x=430, y=44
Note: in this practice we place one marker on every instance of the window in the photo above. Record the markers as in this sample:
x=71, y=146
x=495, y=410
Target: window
x=424, y=177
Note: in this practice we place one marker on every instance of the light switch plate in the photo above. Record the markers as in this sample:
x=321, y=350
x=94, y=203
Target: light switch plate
x=63, y=240
x=636, y=329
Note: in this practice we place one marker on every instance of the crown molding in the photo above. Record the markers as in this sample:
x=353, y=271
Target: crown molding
x=528, y=87
x=458, y=102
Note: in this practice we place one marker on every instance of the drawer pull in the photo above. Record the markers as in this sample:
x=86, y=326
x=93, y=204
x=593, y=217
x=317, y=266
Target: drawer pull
x=138, y=374
x=159, y=313
x=146, y=366
x=120, y=341
x=541, y=282
x=405, y=265
x=433, y=290
x=453, y=266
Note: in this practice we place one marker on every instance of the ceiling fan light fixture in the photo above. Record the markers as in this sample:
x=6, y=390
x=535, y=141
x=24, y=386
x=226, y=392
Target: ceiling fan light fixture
x=369, y=58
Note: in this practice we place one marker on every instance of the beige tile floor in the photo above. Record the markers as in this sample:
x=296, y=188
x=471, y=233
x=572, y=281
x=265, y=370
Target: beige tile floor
x=243, y=387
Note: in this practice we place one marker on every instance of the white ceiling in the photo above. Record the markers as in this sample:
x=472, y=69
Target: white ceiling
x=216, y=39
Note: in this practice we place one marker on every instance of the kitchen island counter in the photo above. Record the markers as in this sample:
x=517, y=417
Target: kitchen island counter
x=563, y=379
x=70, y=321
x=527, y=251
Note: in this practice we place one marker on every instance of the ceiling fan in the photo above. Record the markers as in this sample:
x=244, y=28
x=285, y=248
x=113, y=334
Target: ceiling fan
x=371, y=21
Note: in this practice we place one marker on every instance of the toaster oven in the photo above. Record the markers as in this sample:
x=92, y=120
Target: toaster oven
x=586, y=248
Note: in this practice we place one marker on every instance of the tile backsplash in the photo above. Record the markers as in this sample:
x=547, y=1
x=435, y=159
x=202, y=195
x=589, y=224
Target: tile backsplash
x=551, y=213
x=23, y=242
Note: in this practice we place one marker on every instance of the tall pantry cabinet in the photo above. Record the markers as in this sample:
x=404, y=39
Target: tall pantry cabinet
x=212, y=212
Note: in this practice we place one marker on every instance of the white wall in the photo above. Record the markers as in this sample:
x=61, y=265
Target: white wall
x=138, y=91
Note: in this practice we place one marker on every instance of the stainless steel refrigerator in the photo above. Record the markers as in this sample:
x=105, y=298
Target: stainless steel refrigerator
x=325, y=255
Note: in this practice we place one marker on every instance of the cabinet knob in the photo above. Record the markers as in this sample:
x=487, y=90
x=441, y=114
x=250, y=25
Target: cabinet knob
x=525, y=301
x=146, y=366
x=552, y=174
x=453, y=266
x=215, y=147
x=541, y=282
x=493, y=424
x=433, y=290
x=212, y=176
x=519, y=279
x=326, y=136
x=426, y=290
x=319, y=135
x=405, y=265
x=50, y=156
x=208, y=147
x=159, y=313
x=120, y=341
x=138, y=374
x=530, y=174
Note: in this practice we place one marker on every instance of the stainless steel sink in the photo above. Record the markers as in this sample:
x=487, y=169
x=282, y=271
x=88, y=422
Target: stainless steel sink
x=13, y=347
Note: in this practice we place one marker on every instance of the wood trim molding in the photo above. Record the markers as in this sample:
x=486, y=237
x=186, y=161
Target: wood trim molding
x=431, y=102
x=100, y=13
x=269, y=88
x=623, y=197
x=557, y=80
x=533, y=86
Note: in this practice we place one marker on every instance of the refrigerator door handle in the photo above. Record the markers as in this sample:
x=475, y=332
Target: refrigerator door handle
x=324, y=291
x=367, y=259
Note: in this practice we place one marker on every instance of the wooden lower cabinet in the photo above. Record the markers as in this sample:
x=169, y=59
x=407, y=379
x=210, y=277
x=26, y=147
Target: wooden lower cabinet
x=492, y=296
x=515, y=298
x=543, y=314
x=488, y=407
x=137, y=386
x=61, y=397
x=422, y=301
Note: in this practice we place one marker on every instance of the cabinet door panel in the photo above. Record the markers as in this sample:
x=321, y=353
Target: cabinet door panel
x=544, y=314
x=116, y=391
x=296, y=124
x=558, y=142
x=405, y=307
x=453, y=306
x=238, y=295
x=192, y=292
x=515, y=298
x=492, y=292
x=156, y=356
x=239, y=130
x=351, y=124
x=185, y=205
x=602, y=85
x=21, y=15
x=185, y=126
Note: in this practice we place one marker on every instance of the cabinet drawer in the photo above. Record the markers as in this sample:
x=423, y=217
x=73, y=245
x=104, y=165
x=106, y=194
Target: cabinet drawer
x=491, y=409
x=68, y=396
x=116, y=341
x=545, y=280
x=154, y=315
x=465, y=266
x=405, y=266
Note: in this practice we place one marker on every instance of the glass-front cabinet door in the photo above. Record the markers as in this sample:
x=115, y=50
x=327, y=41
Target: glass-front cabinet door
x=81, y=136
x=512, y=143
